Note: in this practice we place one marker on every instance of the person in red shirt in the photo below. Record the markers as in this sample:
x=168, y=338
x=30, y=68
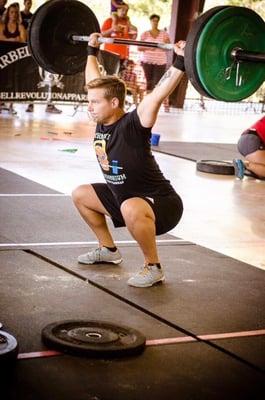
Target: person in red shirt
x=119, y=26
x=252, y=146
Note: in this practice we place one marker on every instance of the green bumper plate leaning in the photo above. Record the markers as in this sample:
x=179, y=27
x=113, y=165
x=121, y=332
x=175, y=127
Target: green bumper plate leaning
x=232, y=27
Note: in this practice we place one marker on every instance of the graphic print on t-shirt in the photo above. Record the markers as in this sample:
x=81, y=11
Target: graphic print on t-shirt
x=100, y=149
x=115, y=176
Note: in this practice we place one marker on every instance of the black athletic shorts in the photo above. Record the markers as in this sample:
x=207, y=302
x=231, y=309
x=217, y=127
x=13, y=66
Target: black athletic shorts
x=167, y=209
x=249, y=142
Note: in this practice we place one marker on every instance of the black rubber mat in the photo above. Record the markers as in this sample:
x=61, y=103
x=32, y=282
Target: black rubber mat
x=195, y=151
x=12, y=183
x=41, y=219
x=35, y=293
x=186, y=371
x=204, y=292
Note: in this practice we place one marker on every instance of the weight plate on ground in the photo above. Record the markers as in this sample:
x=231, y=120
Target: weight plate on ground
x=8, y=348
x=50, y=30
x=232, y=27
x=93, y=338
x=215, y=167
x=191, y=48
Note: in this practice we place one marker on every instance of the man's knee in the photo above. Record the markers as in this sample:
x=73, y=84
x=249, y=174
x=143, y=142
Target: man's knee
x=80, y=193
x=136, y=209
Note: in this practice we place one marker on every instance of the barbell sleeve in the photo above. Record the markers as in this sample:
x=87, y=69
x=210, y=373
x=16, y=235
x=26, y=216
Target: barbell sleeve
x=128, y=42
x=245, y=55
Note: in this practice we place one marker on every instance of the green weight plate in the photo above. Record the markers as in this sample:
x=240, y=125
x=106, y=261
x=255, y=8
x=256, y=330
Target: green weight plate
x=191, y=48
x=230, y=28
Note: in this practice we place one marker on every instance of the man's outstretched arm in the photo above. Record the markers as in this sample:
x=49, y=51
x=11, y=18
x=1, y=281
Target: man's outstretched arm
x=92, y=69
x=149, y=106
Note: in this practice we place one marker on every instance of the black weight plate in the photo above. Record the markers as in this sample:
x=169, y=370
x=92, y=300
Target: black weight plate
x=93, y=338
x=50, y=30
x=191, y=47
x=8, y=348
x=215, y=167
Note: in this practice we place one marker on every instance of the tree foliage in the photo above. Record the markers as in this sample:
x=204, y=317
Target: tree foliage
x=256, y=5
x=148, y=7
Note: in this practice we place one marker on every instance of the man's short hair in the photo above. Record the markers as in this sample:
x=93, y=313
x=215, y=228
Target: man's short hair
x=113, y=87
x=153, y=16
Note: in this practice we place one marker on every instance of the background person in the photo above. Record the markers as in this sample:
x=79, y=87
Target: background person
x=12, y=30
x=129, y=76
x=252, y=146
x=2, y=10
x=136, y=193
x=154, y=60
x=2, y=7
x=119, y=26
x=26, y=14
x=115, y=4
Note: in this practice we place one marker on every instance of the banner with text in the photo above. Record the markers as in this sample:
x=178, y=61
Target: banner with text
x=21, y=79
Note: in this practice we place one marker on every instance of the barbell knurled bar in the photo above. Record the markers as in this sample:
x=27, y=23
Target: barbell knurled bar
x=236, y=53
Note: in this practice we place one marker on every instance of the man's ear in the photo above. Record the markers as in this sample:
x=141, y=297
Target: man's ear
x=115, y=102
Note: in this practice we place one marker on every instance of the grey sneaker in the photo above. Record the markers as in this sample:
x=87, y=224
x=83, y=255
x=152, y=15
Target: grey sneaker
x=100, y=255
x=147, y=276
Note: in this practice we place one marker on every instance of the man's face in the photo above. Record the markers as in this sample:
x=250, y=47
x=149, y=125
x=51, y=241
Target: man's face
x=100, y=109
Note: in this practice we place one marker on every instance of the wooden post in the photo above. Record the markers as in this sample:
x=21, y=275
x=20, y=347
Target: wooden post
x=182, y=15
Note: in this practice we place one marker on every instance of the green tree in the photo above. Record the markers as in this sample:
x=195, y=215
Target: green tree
x=256, y=5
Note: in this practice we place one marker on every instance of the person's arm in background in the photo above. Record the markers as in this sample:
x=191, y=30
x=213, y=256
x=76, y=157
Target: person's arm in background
x=166, y=37
x=22, y=34
x=2, y=37
x=133, y=31
x=109, y=26
x=92, y=68
x=149, y=106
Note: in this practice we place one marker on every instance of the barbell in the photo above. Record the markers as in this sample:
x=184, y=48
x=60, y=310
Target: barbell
x=224, y=53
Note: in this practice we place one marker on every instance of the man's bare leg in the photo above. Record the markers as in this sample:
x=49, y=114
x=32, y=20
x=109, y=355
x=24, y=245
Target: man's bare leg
x=255, y=162
x=140, y=221
x=93, y=212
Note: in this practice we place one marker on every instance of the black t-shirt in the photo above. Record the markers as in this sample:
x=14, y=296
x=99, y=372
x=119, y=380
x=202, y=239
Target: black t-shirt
x=2, y=10
x=26, y=19
x=124, y=153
